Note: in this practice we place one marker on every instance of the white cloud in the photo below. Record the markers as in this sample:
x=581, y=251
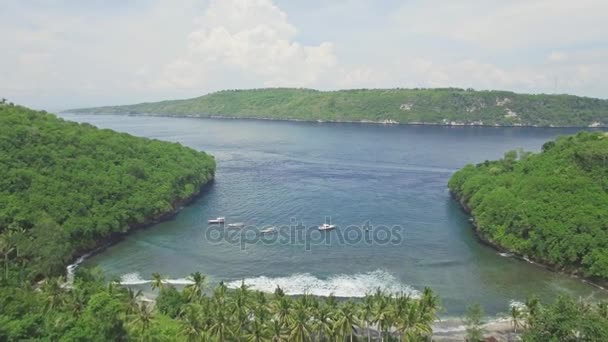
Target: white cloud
x=253, y=37
x=73, y=54
x=498, y=24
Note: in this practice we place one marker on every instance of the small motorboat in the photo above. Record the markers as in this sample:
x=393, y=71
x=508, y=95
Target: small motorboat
x=269, y=230
x=327, y=226
x=217, y=220
x=236, y=225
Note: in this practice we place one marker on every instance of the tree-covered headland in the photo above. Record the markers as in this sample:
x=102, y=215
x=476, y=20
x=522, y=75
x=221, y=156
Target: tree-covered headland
x=67, y=186
x=551, y=206
x=441, y=106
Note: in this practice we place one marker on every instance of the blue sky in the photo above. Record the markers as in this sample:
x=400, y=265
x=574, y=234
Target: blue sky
x=68, y=53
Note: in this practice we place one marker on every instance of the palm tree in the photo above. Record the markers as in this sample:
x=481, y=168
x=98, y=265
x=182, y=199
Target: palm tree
x=195, y=290
x=323, y=325
x=240, y=306
x=430, y=300
x=132, y=300
x=282, y=309
x=278, y=292
x=298, y=324
x=532, y=307
x=402, y=314
x=277, y=331
x=257, y=331
x=381, y=314
x=157, y=281
x=143, y=318
x=113, y=288
x=191, y=323
x=261, y=309
x=54, y=293
x=346, y=320
x=331, y=301
x=515, y=314
x=220, y=327
x=78, y=300
x=366, y=313
x=220, y=324
x=420, y=320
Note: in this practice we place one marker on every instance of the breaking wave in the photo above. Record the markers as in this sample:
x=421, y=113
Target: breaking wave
x=131, y=279
x=342, y=285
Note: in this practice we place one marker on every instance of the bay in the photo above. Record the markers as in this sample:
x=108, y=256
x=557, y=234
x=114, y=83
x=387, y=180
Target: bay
x=296, y=176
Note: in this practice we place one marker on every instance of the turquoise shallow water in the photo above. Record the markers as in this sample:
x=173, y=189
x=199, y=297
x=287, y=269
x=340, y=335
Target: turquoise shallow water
x=390, y=178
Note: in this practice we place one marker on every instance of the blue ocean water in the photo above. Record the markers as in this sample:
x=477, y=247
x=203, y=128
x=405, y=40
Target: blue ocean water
x=295, y=176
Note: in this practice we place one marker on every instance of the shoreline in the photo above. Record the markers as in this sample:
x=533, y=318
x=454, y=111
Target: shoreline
x=387, y=122
x=101, y=245
x=574, y=273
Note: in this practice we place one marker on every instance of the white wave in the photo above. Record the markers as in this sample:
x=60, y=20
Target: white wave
x=135, y=278
x=506, y=255
x=342, y=285
x=517, y=304
x=70, y=270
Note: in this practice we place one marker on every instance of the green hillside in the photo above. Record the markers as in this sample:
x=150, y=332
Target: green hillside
x=551, y=206
x=67, y=186
x=448, y=106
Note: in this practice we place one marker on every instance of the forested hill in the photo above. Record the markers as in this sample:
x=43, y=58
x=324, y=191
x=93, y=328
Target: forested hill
x=551, y=206
x=448, y=106
x=65, y=186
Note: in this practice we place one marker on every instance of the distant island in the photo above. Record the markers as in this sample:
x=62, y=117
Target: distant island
x=550, y=207
x=441, y=106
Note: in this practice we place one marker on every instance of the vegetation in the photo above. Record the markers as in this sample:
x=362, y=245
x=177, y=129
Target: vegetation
x=90, y=310
x=67, y=186
x=551, y=206
x=447, y=106
x=566, y=320
x=474, y=322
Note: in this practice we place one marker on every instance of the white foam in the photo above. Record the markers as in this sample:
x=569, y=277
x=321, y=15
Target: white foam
x=71, y=269
x=506, y=255
x=135, y=278
x=342, y=285
x=517, y=304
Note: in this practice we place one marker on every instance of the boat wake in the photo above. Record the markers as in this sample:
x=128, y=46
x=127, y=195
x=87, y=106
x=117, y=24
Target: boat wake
x=341, y=285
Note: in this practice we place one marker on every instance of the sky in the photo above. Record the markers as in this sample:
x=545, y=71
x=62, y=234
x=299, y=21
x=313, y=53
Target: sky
x=69, y=53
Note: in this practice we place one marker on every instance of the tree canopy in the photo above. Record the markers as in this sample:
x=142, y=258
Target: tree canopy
x=551, y=206
x=67, y=186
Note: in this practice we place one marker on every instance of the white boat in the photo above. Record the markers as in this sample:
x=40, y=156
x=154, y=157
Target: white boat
x=236, y=225
x=269, y=230
x=217, y=220
x=327, y=226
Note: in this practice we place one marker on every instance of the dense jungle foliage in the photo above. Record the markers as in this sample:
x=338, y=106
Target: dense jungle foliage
x=65, y=186
x=433, y=106
x=551, y=206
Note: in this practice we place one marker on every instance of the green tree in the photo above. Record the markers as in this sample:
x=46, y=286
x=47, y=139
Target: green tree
x=474, y=322
x=157, y=281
